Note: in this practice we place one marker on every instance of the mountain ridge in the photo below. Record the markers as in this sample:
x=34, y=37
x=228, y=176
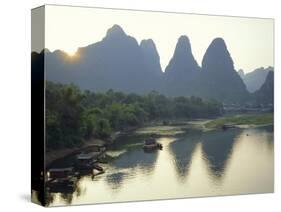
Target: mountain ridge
x=120, y=63
x=256, y=78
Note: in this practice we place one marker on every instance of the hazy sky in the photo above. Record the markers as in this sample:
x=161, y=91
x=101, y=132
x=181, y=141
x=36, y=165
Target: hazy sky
x=250, y=41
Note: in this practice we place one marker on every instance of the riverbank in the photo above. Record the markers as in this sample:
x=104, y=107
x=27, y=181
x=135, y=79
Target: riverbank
x=54, y=155
x=170, y=129
x=241, y=120
x=157, y=128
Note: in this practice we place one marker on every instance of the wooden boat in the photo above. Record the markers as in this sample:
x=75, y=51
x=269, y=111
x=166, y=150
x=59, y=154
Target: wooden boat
x=150, y=144
x=88, y=161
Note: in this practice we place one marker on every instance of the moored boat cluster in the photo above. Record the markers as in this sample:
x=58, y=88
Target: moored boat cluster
x=67, y=177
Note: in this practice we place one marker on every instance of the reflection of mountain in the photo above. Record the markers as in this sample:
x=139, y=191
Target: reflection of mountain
x=132, y=159
x=49, y=198
x=64, y=192
x=67, y=197
x=136, y=159
x=268, y=130
x=115, y=180
x=182, y=151
x=217, y=148
x=43, y=198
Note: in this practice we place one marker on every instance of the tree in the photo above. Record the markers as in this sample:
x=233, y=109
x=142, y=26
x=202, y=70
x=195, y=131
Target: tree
x=73, y=116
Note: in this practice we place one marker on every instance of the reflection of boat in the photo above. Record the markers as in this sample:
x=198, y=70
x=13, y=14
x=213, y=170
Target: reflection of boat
x=150, y=144
x=61, y=177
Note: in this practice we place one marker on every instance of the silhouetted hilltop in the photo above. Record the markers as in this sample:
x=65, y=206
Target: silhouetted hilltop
x=153, y=71
x=37, y=65
x=115, y=31
x=241, y=73
x=265, y=95
x=220, y=78
x=182, y=72
x=255, y=79
x=151, y=57
x=217, y=59
x=118, y=62
x=182, y=62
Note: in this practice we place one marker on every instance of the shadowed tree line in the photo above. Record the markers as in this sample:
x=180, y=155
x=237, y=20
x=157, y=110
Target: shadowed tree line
x=74, y=116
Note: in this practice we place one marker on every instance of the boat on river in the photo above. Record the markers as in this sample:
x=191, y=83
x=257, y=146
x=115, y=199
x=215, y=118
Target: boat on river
x=150, y=144
x=89, y=157
x=88, y=161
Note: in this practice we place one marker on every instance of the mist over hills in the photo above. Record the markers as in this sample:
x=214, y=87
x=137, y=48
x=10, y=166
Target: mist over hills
x=118, y=62
x=265, y=95
x=255, y=79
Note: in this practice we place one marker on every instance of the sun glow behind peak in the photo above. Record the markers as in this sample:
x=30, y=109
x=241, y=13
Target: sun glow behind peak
x=68, y=31
x=71, y=53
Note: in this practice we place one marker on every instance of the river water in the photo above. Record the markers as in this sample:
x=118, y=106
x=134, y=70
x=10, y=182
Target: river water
x=194, y=164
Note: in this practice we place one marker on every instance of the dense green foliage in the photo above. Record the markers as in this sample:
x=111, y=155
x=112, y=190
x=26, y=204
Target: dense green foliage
x=73, y=116
x=246, y=119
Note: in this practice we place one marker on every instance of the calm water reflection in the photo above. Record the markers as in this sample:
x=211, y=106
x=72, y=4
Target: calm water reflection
x=219, y=162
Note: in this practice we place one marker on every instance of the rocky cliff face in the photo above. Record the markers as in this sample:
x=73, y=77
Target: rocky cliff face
x=118, y=62
x=241, y=73
x=153, y=72
x=221, y=81
x=265, y=95
x=182, y=72
x=255, y=79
